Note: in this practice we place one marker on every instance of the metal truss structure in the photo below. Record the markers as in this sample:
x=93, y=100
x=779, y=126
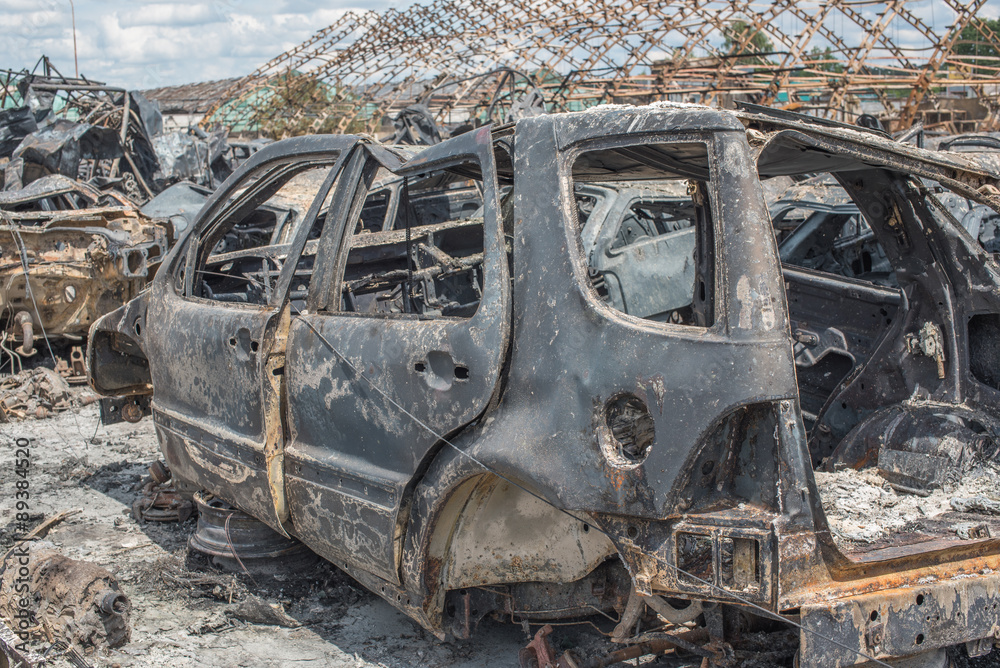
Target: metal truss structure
x=470, y=61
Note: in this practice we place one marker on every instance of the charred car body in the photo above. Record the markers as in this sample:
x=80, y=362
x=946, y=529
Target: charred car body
x=71, y=253
x=602, y=391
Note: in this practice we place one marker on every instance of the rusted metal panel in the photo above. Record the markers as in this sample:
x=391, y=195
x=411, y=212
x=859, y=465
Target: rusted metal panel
x=900, y=622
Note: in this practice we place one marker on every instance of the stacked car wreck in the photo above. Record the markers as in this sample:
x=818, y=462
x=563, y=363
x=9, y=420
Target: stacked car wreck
x=79, y=158
x=68, y=263
x=600, y=390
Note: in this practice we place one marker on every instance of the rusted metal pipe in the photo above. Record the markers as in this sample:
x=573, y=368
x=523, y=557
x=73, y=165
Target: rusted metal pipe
x=23, y=320
x=691, y=640
x=633, y=610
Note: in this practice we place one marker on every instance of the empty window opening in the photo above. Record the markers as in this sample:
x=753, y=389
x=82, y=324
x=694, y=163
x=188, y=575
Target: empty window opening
x=429, y=261
x=250, y=243
x=649, y=248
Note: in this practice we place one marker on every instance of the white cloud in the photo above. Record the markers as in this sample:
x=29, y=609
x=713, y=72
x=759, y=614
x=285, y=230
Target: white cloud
x=170, y=15
x=151, y=43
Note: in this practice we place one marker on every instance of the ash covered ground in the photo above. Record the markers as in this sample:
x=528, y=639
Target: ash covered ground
x=183, y=617
x=862, y=507
x=186, y=615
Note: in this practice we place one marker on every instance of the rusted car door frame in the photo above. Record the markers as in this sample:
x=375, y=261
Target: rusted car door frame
x=220, y=413
x=354, y=455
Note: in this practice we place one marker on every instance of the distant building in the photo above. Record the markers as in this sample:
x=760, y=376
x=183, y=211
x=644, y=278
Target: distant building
x=185, y=106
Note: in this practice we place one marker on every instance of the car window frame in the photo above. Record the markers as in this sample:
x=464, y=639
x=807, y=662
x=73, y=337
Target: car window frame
x=567, y=158
x=326, y=299
x=205, y=234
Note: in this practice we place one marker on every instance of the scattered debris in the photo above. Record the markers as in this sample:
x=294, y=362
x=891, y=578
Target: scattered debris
x=35, y=393
x=159, y=500
x=74, y=601
x=13, y=651
x=973, y=530
x=42, y=529
x=171, y=573
x=256, y=611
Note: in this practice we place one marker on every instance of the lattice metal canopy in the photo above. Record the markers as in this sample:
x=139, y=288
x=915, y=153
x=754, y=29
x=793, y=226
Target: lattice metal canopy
x=470, y=61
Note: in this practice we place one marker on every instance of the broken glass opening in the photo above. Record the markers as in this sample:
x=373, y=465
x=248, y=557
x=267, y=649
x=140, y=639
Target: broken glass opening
x=425, y=256
x=645, y=223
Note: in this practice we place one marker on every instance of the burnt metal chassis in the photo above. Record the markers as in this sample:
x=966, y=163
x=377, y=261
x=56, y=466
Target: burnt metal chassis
x=904, y=621
x=115, y=274
x=801, y=568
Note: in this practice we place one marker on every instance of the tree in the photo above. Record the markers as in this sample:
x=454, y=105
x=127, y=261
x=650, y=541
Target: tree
x=828, y=62
x=294, y=101
x=981, y=39
x=738, y=41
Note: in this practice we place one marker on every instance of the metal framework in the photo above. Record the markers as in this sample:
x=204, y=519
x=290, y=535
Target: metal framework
x=471, y=60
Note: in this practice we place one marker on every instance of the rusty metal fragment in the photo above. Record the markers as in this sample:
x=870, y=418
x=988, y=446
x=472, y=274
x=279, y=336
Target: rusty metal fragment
x=36, y=393
x=74, y=601
x=159, y=502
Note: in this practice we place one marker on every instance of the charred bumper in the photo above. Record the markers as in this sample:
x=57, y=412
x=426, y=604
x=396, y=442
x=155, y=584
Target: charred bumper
x=902, y=622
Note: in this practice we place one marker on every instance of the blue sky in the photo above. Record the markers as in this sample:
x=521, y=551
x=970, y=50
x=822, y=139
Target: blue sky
x=150, y=43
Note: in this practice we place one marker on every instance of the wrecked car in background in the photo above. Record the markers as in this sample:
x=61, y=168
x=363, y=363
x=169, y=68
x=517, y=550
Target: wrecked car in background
x=76, y=127
x=806, y=214
x=602, y=391
x=70, y=254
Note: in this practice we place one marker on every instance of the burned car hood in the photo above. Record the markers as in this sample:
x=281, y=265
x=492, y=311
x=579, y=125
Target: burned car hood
x=180, y=204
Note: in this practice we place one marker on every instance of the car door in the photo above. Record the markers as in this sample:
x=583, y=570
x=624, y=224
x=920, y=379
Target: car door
x=371, y=391
x=217, y=326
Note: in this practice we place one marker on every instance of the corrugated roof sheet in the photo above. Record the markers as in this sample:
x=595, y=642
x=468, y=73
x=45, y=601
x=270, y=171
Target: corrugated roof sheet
x=194, y=98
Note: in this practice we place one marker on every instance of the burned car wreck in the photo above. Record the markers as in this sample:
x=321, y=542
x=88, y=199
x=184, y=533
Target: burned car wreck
x=71, y=253
x=600, y=391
